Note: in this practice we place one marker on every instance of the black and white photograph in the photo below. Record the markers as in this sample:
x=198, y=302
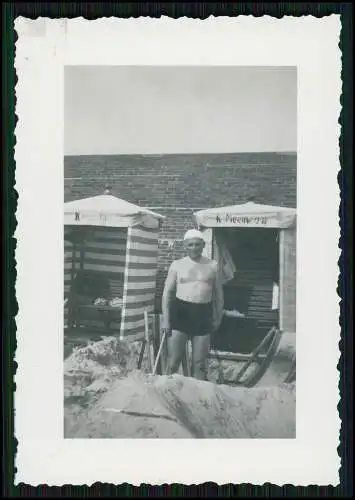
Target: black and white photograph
x=180, y=224
x=177, y=251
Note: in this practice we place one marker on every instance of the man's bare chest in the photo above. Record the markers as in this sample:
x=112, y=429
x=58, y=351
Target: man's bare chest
x=196, y=274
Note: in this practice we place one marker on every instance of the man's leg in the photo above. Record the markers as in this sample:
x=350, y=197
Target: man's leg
x=200, y=350
x=176, y=350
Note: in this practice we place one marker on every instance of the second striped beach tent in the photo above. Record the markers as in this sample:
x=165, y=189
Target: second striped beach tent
x=115, y=242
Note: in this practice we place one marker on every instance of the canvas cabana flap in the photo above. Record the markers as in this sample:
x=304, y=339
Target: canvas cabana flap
x=247, y=215
x=108, y=210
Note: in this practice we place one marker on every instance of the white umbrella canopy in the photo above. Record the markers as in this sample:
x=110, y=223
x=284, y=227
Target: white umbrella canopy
x=108, y=210
x=248, y=214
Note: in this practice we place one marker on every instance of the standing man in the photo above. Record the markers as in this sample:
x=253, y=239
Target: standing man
x=192, y=305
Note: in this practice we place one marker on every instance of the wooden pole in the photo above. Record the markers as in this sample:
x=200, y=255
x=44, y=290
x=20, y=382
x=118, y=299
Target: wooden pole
x=232, y=356
x=141, y=354
x=162, y=345
x=164, y=354
x=156, y=340
x=255, y=354
x=152, y=344
x=147, y=340
x=159, y=353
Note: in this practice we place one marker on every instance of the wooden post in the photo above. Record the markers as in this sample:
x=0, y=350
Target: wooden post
x=231, y=356
x=153, y=338
x=147, y=341
x=157, y=359
x=164, y=352
x=152, y=343
x=156, y=344
x=141, y=354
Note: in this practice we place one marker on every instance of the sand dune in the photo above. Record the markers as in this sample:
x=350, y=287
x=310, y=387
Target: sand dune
x=101, y=380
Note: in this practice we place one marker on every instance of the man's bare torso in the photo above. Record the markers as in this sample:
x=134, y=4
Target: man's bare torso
x=195, y=280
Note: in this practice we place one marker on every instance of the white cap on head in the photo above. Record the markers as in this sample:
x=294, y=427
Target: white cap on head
x=193, y=233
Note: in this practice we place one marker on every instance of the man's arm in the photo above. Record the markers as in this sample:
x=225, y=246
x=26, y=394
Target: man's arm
x=168, y=295
x=218, y=300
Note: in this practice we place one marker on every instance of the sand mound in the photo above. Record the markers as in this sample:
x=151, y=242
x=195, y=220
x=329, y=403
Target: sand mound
x=102, y=378
x=92, y=369
x=181, y=407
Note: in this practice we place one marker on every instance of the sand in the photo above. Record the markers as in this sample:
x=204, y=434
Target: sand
x=102, y=379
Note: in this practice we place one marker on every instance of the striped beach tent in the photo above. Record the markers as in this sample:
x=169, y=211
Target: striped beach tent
x=116, y=240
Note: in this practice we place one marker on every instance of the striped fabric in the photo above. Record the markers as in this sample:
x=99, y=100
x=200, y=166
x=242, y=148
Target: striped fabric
x=129, y=259
x=106, y=250
x=104, y=253
x=140, y=279
x=68, y=271
x=68, y=258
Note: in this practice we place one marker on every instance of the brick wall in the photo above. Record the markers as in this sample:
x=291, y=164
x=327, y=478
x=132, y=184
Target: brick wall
x=178, y=185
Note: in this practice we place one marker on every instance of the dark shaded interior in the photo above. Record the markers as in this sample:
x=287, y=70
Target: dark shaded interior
x=255, y=253
x=87, y=285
